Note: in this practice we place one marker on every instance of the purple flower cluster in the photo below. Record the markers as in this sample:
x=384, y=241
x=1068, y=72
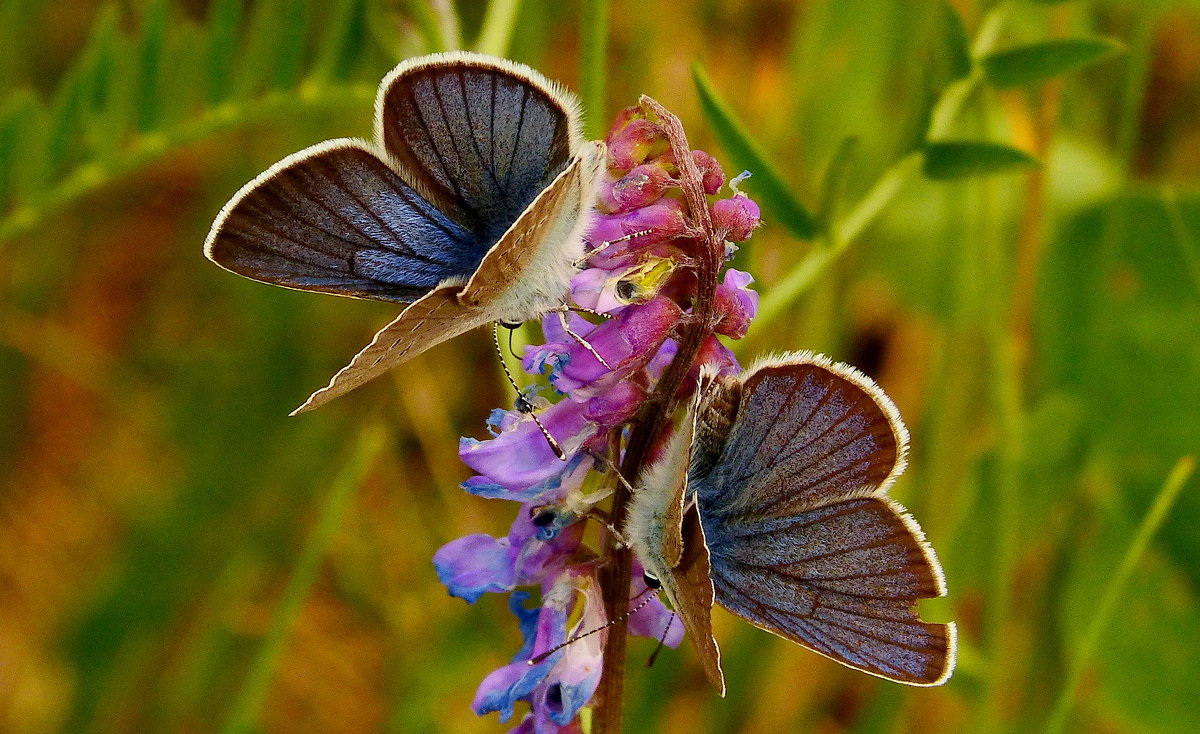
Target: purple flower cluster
x=640, y=273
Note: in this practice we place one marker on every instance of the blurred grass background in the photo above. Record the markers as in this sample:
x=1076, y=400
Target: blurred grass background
x=177, y=555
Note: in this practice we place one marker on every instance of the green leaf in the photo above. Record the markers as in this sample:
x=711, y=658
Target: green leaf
x=952, y=159
x=1038, y=62
x=770, y=190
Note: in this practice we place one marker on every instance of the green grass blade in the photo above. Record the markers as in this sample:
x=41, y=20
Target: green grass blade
x=18, y=119
x=342, y=40
x=593, y=66
x=243, y=714
x=294, y=31
x=259, y=59
x=224, y=21
x=498, y=24
x=1038, y=62
x=769, y=188
x=1175, y=482
x=150, y=62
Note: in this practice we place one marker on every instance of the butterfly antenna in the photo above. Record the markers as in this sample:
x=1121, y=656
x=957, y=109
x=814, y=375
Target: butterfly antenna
x=662, y=640
x=609, y=243
x=522, y=403
x=539, y=658
x=562, y=317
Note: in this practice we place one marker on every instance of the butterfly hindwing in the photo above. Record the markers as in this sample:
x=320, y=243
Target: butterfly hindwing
x=842, y=580
x=334, y=218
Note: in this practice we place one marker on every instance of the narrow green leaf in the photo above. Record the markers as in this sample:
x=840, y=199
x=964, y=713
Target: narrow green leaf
x=958, y=41
x=260, y=58
x=833, y=183
x=1038, y=62
x=182, y=75
x=770, y=190
x=333, y=510
x=150, y=56
x=1158, y=511
x=224, y=20
x=593, y=65
x=343, y=39
x=21, y=110
x=951, y=159
x=98, y=65
x=62, y=136
x=291, y=43
x=114, y=123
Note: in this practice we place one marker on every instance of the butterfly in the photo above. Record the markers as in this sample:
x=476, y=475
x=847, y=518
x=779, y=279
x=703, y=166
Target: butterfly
x=770, y=500
x=470, y=205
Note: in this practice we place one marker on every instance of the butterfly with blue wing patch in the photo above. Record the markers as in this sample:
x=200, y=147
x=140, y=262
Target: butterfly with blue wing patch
x=471, y=205
x=771, y=501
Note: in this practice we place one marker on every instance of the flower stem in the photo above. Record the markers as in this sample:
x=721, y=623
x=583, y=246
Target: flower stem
x=655, y=416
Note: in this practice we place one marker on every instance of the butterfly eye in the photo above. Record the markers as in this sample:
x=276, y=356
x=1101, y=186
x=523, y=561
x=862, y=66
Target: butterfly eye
x=542, y=517
x=627, y=291
x=651, y=580
x=510, y=325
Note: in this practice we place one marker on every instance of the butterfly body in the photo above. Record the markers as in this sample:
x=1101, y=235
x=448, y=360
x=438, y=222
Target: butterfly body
x=471, y=205
x=786, y=468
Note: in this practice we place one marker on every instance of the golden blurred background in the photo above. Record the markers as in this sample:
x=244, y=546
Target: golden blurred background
x=178, y=555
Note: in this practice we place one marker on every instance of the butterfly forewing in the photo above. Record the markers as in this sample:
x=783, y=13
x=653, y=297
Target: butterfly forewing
x=805, y=433
x=334, y=218
x=480, y=137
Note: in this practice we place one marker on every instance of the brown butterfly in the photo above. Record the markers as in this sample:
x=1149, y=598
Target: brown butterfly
x=470, y=205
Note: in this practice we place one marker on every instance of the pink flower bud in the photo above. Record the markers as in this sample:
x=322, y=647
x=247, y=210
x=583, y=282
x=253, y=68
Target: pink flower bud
x=737, y=216
x=640, y=187
x=634, y=143
x=714, y=177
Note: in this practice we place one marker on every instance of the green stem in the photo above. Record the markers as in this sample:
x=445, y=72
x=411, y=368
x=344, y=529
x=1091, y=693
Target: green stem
x=828, y=249
x=149, y=147
x=244, y=713
x=593, y=63
x=498, y=25
x=1183, y=238
x=1178, y=477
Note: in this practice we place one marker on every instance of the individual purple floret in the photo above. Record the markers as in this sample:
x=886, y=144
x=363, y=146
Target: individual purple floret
x=600, y=371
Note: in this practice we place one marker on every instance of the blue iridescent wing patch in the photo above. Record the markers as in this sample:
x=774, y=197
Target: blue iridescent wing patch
x=790, y=474
x=476, y=139
x=334, y=218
